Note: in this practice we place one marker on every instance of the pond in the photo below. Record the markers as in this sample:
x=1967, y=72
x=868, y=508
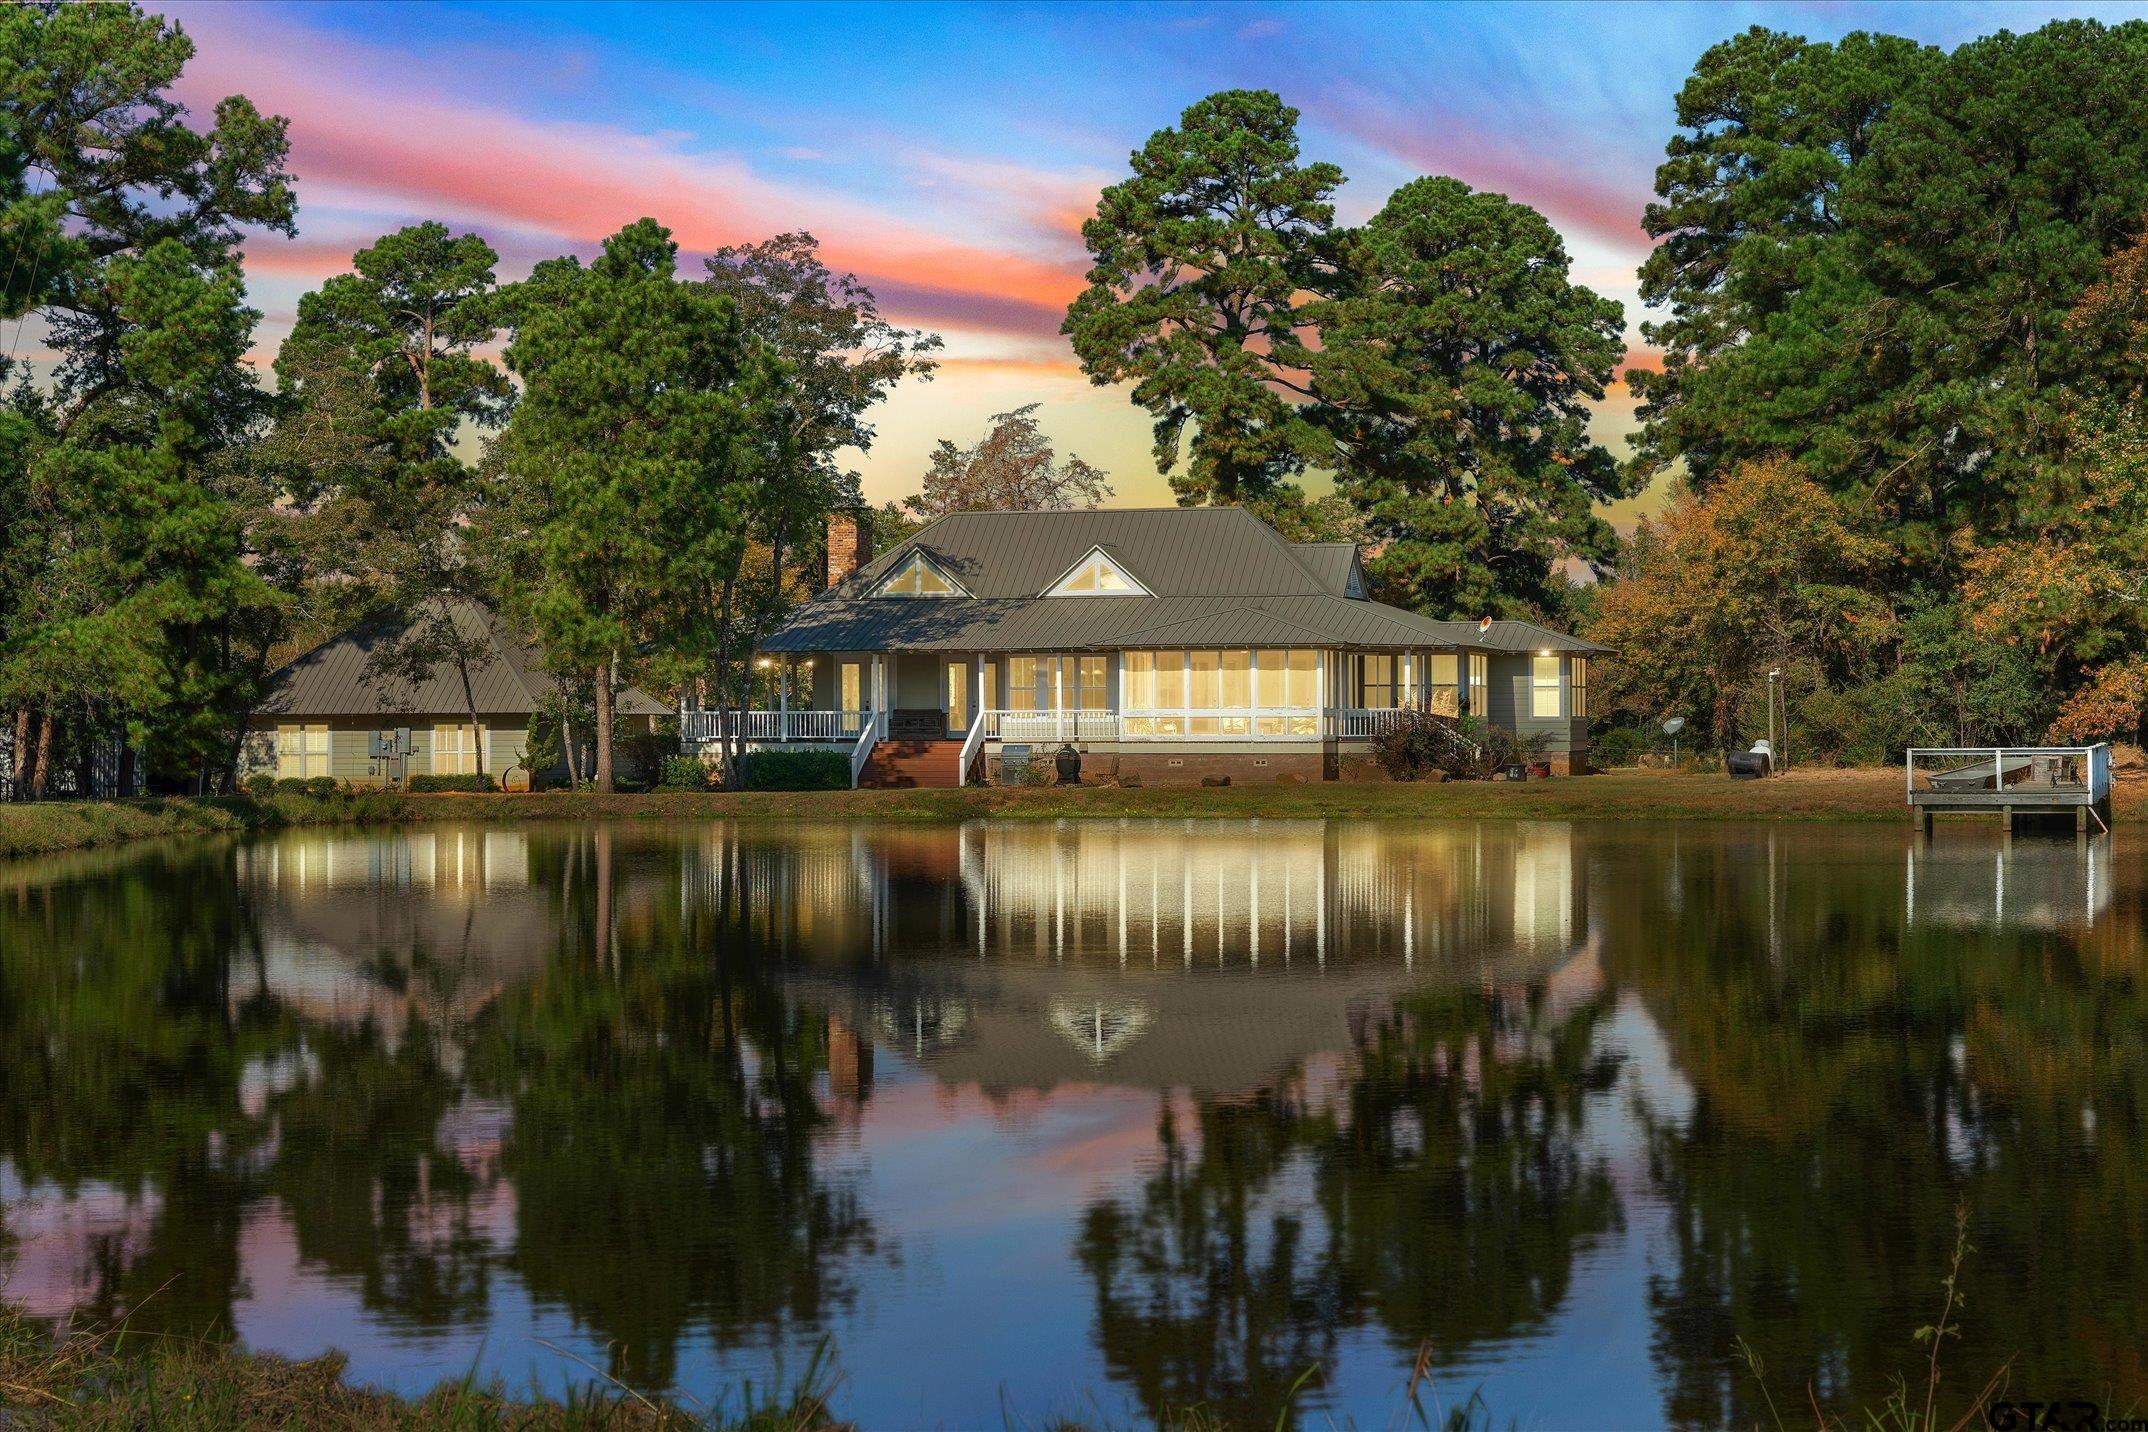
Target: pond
x=1098, y=1119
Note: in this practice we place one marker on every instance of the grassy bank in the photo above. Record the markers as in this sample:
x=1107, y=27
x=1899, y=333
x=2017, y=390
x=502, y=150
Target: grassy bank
x=109, y=1380
x=1623, y=795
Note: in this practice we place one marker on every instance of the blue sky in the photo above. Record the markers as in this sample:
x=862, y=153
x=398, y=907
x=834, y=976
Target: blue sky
x=947, y=153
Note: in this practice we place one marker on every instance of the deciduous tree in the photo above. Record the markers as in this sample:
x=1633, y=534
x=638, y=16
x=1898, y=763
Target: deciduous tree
x=1012, y=468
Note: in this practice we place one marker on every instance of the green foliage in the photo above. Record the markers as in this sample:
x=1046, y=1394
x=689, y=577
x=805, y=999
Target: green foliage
x=386, y=358
x=1871, y=253
x=798, y=771
x=1455, y=370
x=1200, y=261
x=1438, y=360
x=686, y=773
x=645, y=432
x=466, y=782
x=124, y=593
x=261, y=783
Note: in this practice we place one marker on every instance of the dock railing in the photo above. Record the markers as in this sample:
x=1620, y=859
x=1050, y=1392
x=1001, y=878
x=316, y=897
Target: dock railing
x=1980, y=773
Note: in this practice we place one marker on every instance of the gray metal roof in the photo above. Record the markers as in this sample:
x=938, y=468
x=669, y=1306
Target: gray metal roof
x=1221, y=577
x=336, y=677
x=1331, y=563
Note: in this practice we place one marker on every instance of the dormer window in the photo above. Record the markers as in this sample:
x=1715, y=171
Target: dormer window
x=918, y=577
x=1096, y=575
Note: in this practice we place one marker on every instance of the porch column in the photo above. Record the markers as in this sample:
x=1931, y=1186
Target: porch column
x=1059, y=696
x=1320, y=692
x=783, y=698
x=981, y=660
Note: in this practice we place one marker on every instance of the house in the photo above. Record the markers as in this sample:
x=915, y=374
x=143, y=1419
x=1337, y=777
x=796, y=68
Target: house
x=332, y=712
x=1170, y=645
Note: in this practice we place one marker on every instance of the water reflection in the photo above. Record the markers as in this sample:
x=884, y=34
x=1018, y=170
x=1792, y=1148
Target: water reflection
x=1199, y=1104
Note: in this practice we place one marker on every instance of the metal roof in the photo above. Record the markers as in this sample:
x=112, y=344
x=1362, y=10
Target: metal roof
x=336, y=678
x=1331, y=563
x=1221, y=577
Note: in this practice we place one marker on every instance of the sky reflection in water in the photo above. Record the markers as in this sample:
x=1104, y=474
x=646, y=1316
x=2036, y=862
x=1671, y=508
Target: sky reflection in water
x=1098, y=1118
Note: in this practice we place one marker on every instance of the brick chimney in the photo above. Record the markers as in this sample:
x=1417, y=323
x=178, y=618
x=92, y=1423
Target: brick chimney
x=850, y=543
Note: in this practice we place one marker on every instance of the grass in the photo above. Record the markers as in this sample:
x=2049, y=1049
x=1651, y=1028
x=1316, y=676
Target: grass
x=111, y=1378
x=1866, y=795
x=1904, y=1410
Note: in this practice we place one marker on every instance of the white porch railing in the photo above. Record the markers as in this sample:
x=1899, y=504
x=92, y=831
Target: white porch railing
x=1350, y=723
x=1032, y=726
x=708, y=727
x=874, y=729
x=971, y=745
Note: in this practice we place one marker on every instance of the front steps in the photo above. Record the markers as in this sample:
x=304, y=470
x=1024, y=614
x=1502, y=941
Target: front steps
x=907, y=764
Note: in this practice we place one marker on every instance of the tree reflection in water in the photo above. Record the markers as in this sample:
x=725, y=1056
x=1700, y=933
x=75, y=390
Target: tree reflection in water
x=1415, y=1086
x=1453, y=1199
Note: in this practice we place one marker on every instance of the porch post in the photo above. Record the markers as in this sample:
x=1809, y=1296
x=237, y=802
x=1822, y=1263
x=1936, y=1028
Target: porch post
x=981, y=660
x=1059, y=696
x=783, y=699
x=1320, y=691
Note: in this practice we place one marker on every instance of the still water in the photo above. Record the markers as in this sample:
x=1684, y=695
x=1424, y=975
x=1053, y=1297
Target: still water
x=1099, y=1119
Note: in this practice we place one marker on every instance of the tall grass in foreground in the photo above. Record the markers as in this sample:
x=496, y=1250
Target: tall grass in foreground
x=114, y=1378
x=1907, y=1408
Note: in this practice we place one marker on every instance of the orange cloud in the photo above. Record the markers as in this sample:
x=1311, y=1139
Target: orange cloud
x=375, y=141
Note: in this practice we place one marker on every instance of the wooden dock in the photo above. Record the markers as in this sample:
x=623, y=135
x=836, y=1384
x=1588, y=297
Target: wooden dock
x=2012, y=782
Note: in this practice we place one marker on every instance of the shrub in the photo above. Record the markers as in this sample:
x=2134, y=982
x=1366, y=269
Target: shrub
x=470, y=781
x=322, y=785
x=261, y=783
x=798, y=771
x=290, y=786
x=1413, y=743
x=687, y=773
x=1620, y=745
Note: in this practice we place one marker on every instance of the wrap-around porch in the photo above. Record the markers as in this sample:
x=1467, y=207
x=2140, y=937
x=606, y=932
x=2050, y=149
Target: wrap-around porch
x=1211, y=700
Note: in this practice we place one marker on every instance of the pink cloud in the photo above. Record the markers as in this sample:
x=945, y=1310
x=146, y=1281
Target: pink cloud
x=1567, y=191
x=361, y=133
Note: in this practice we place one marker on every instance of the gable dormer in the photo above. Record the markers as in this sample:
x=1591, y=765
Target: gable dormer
x=919, y=576
x=1097, y=575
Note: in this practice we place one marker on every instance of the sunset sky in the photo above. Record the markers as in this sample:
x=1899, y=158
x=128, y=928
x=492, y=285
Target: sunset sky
x=948, y=154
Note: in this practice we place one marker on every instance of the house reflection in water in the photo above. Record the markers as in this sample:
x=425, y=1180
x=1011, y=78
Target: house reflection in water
x=1204, y=955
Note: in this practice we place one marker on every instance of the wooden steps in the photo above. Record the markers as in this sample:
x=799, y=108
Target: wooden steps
x=909, y=764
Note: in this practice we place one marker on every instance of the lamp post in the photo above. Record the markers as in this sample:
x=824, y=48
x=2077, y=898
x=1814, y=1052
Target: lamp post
x=1775, y=759
x=1671, y=728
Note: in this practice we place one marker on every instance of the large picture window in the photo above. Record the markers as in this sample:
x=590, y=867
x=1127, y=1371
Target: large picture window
x=1544, y=686
x=1223, y=694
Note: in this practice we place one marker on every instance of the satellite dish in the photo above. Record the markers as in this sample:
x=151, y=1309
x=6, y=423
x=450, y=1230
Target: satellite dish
x=1673, y=726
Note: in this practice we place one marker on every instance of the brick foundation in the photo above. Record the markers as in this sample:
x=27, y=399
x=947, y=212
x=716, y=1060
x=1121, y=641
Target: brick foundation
x=1163, y=768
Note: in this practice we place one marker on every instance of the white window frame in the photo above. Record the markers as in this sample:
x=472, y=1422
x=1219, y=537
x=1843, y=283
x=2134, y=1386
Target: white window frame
x=469, y=746
x=1249, y=721
x=919, y=561
x=304, y=748
x=1539, y=687
x=1097, y=556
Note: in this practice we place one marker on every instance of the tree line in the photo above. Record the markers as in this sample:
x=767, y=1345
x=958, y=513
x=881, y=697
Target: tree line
x=630, y=463
x=1898, y=297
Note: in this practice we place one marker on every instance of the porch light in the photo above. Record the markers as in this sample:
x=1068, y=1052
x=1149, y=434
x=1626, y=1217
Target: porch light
x=765, y=662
